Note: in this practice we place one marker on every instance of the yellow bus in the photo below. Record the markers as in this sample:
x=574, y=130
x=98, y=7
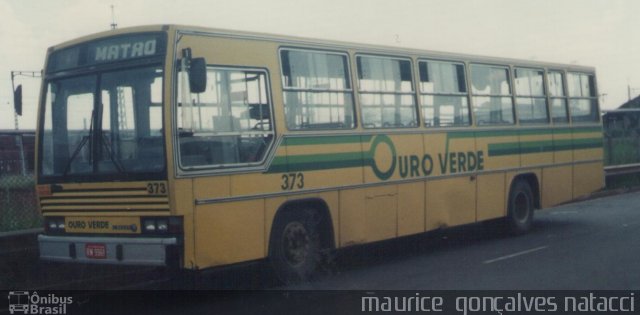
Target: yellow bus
x=194, y=148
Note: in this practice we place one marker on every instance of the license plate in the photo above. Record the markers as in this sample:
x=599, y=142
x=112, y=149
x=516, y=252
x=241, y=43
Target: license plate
x=95, y=251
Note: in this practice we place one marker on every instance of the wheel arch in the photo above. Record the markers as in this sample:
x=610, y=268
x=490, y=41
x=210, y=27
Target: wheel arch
x=317, y=204
x=532, y=180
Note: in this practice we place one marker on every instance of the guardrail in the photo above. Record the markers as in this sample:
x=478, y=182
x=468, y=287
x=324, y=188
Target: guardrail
x=623, y=169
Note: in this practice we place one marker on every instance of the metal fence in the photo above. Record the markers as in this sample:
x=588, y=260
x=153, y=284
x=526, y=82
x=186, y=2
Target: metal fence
x=18, y=207
x=18, y=203
x=621, y=137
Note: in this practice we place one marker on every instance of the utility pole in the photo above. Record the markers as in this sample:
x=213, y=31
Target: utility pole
x=32, y=74
x=113, y=18
x=630, y=90
x=15, y=120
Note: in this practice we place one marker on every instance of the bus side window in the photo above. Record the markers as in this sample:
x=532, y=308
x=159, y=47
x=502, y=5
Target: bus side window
x=559, y=111
x=386, y=92
x=231, y=123
x=491, y=95
x=531, y=102
x=443, y=92
x=317, y=90
x=583, y=102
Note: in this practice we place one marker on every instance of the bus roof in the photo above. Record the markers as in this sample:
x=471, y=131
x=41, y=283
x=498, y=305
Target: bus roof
x=328, y=44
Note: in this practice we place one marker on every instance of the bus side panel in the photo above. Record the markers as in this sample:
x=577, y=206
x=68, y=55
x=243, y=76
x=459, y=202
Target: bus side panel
x=587, y=146
x=321, y=163
x=557, y=185
x=450, y=202
x=411, y=214
x=587, y=178
x=253, y=184
x=271, y=206
x=352, y=217
x=229, y=232
x=491, y=196
x=332, y=199
x=212, y=187
x=182, y=205
x=536, y=147
x=411, y=163
x=500, y=148
x=562, y=148
x=380, y=206
x=230, y=51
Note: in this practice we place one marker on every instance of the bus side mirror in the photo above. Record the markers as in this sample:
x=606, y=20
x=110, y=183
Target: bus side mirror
x=17, y=100
x=198, y=75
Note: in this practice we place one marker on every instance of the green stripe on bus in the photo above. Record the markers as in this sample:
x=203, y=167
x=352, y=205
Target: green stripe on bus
x=315, y=140
x=314, y=166
x=310, y=162
x=296, y=163
x=320, y=158
x=520, y=132
x=343, y=139
x=509, y=148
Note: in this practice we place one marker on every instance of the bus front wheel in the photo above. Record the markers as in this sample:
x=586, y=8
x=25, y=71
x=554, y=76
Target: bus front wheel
x=294, y=249
x=520, y=208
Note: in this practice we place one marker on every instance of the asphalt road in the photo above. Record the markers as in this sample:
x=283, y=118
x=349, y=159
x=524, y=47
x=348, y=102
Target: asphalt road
x=589, y=245
x=593, y=244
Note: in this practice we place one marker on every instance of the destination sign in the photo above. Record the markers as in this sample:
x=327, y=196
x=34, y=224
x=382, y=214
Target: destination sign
x=123, y=48
x=112, y=49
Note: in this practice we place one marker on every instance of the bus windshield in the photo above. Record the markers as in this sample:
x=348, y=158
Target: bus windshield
x=104, y=125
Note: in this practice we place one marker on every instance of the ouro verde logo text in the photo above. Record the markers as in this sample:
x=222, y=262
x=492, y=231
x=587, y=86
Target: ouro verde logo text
x=408, y=166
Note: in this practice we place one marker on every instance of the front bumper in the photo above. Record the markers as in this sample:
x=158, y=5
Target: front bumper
x=119, y=250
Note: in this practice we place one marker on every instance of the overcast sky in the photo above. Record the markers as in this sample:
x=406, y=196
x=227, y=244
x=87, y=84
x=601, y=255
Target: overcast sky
x=599, y=33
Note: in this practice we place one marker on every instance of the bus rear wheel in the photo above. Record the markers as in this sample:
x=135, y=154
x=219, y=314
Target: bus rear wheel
x=294, y=248
x=520, y=208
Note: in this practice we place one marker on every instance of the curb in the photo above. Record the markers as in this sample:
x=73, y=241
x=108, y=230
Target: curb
x=16, y=243
x=21, y=232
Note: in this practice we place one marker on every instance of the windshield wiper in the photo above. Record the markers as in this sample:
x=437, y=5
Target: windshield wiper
x=116, y=162
x=84, y=141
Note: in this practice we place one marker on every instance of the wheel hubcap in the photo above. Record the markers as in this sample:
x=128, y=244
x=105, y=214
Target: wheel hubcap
x=521, y=207
x=296, y=243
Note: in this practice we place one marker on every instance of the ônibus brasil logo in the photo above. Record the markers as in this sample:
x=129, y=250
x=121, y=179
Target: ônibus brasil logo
x=23, y=302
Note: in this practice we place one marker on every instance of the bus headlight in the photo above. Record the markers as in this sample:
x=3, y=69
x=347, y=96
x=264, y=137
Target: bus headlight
x=149, y=225
x=162, y=225
x=54, y=224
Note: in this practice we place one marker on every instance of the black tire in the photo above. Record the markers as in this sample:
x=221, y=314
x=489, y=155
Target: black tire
x=520, y=208
x=294, y=247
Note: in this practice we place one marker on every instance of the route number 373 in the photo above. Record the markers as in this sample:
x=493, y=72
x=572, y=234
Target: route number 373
x=156, y=188
x=292, y=180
